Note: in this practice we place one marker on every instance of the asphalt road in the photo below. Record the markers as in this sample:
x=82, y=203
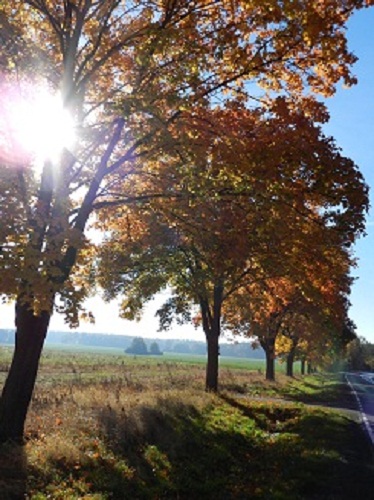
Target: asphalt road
x=362, y=385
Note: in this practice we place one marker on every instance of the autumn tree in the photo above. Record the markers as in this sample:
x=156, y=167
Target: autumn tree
x=315, y=333
x=198, y=259
x=268, y=304
x=237, y=235
x=315, y=286
x=295, y=331
x=127, y=72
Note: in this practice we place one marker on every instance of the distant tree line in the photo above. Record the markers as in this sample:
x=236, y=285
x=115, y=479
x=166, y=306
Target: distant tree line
x=193, y=347
x=139, y=347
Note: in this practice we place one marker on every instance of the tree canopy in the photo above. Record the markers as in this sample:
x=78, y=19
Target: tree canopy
x=271, y=206
x=155, y=88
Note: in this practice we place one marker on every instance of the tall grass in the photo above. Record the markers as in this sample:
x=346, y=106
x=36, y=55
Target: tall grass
x=114, y=427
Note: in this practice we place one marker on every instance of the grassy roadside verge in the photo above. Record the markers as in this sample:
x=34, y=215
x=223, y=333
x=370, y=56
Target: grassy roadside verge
x=151, y=432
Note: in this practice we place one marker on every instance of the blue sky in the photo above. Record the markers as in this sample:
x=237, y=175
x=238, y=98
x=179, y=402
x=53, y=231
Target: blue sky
x=352, y=125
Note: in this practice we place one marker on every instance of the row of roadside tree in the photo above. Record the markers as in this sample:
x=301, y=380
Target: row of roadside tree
x=199, y=156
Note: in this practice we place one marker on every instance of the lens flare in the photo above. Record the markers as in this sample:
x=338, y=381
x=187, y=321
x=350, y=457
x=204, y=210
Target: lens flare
x=35, y=125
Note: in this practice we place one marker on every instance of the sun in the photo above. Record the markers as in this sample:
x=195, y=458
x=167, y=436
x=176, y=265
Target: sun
x=43, y=126
x=38, y=126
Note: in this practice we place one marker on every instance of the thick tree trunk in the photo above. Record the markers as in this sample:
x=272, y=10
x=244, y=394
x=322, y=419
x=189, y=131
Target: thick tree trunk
x=289, y=363
x=211, y=381
x=309, y=368
x=270, y=363
x=268, y=345
x=31, y=331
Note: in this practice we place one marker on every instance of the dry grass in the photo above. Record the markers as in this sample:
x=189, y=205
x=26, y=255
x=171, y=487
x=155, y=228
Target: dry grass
x=107, y=427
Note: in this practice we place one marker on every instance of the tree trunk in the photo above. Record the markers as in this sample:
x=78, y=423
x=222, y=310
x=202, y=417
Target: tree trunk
x=211, y=381
x=270, y=364
x=302, y=367
x=309, y=368
x=31, y=331
x=268, y=345
x=211, y=318
x=290, y=361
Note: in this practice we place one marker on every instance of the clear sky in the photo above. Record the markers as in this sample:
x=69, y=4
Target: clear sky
x=352, y=125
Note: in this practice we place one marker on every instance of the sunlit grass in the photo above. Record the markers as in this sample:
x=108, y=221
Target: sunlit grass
x=187, y=444
x=106, y=426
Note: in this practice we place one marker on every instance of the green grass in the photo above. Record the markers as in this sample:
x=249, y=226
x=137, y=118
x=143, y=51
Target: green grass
x=82, y=351
x=82, y=364
x=104, y=426
x=223, y=448
x=226, y=361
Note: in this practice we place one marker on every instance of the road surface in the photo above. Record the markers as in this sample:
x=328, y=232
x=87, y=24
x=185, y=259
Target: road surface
x=362, y=385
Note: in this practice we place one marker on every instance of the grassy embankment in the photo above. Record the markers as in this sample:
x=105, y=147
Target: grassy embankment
x=115, y=427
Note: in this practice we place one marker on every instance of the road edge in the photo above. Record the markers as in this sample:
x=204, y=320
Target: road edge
x=365, y=421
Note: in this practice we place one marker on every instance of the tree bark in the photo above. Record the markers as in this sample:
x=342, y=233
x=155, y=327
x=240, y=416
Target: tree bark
x=270, y=364
x=211, y=317
x=268, y=345
x=211, y=381
x=302, y=367
x=289, y=363
x=291, y=355
x=31, y=331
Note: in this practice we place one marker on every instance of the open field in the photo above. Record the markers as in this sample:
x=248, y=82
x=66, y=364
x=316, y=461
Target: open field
x=225, y=361
x=108, y=426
